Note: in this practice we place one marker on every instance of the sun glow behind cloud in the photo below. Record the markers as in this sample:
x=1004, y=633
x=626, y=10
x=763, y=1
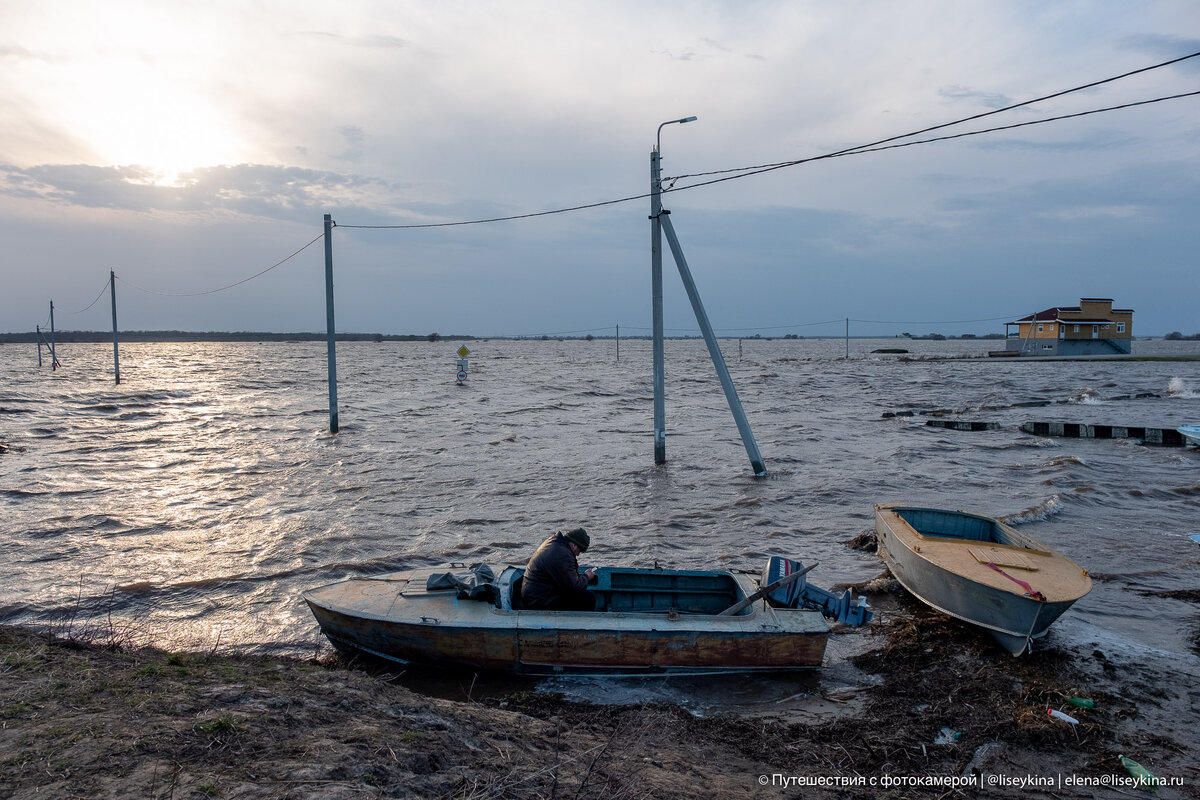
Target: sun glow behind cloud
x=140, y=95
x=251, y=120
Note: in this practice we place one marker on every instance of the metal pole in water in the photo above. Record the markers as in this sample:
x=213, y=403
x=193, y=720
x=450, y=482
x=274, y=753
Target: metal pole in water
x=618, y=342
x=656, y=213
x=331, y=349
x=656, y=290
x=38, y=328
x=53, y=356
x=112, y=293
x=714, y=350
x=847, y=338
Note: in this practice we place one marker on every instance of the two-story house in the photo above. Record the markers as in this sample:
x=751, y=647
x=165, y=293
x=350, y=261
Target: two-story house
x=1093, y=327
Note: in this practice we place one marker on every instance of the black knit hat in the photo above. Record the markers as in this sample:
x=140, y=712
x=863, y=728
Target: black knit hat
x=581, y=539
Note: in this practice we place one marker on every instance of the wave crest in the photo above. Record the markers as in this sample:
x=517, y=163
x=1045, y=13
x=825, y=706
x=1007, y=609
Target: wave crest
x=1039, y=513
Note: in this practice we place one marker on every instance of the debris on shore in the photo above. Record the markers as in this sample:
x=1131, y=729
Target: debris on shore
x=87, y=720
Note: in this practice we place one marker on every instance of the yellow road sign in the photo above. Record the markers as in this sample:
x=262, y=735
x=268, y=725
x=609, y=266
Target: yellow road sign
x=463, y=351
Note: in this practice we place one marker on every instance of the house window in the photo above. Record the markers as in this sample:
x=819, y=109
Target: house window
x=1120, y=327
x=1076, y=329
x=1039, y=328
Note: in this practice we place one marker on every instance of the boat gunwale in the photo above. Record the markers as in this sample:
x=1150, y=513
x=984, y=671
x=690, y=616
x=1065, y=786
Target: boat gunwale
x=755, y=619
x=895, y=509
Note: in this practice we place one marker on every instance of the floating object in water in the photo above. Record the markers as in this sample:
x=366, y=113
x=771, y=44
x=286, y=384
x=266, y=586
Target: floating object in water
x=979, y=570
x=1061, y=716
x=1195, y=537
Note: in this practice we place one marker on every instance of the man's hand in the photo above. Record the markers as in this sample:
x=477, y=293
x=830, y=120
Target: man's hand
x=591, y=575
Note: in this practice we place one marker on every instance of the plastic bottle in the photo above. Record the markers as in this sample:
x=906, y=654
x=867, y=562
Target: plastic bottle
x=1060, y=715
x=1081, y=702
x=1144, y=776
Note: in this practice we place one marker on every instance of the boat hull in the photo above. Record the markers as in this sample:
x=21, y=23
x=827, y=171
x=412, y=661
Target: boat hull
x=935, y=571
x=394, y=617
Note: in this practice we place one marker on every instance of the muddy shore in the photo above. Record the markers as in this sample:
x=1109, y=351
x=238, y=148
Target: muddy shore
x=96, y=719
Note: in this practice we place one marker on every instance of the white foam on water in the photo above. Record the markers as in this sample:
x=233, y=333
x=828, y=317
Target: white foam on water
x=1178, y=387
x=1039, y=513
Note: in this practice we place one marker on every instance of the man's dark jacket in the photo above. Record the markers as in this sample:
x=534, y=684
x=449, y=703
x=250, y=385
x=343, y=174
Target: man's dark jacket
x=552, y=575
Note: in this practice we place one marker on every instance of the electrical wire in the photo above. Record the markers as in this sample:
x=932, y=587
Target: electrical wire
x=856, y=152
x=930, y=322
x=89, y=305
x=790, y=326
x=878, y=146
x=229, y=286
x=932, y=128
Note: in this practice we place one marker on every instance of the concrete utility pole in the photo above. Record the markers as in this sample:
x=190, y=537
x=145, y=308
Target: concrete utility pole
x=112, y=293
x=660, y=222
x=331, y=349
x=53, y=354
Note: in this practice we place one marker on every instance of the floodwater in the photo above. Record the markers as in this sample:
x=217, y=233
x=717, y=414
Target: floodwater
x=191, y=506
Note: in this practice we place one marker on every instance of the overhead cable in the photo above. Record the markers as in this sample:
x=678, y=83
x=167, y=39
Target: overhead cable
x=89, y=305
x=948, y=137
x=880, y=145
x=229, y=286
x=932, y=128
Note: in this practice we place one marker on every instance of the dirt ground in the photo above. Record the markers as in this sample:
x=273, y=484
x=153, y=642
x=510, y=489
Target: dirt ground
x=97, y=720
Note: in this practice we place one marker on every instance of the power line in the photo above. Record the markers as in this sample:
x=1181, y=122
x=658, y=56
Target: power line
x=745, y=172
x=229, y=286
x=793, y=325
x=930, y=129
x=930, y=322
x=89, y=305
x=857, y=152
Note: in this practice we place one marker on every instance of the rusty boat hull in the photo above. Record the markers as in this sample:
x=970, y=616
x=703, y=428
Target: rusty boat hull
x=979, y=570
x=654, y=622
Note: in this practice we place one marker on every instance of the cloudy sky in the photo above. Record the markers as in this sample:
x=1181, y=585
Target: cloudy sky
x=189, y=145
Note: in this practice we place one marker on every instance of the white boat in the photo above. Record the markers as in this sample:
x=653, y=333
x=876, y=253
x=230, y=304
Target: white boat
x=979, y=570
x=1191, y=433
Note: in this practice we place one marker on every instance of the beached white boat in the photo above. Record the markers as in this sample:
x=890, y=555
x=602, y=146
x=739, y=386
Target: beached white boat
x=652, y=621
x=979, y=570
x=1191, y=433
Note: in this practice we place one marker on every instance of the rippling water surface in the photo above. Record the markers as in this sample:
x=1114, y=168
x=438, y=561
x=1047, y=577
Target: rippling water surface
x=194, y=503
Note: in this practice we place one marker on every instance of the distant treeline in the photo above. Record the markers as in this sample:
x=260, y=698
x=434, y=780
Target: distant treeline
x=222, y=336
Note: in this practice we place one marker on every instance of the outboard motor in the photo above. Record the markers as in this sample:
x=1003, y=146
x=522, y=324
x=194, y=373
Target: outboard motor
x=800, y=594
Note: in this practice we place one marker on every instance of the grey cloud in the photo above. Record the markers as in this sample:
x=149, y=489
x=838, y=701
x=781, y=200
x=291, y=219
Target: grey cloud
x=714, y=44
x=254, y=189
x=686, y=55
x=354, y=136
x=986, y=99
x=374, y=40
x=1166, y=47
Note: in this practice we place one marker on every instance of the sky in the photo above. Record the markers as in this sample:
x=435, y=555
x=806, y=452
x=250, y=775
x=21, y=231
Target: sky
x=187, y=146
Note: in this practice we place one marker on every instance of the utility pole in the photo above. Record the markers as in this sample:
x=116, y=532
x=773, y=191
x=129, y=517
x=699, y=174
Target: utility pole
x=331, y=348
x=53, y=355
x=112, y=293
x=660, y=223
x=656, y=291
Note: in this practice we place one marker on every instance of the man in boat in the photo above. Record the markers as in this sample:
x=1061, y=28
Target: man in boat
x=553, y=581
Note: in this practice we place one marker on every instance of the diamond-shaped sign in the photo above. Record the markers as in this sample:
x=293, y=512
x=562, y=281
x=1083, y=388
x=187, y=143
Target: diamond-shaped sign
x=463, y=351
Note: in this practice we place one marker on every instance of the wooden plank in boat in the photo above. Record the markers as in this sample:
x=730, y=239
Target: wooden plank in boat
x=1002, y=557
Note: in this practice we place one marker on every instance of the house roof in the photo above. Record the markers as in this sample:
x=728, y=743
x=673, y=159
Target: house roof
x=1053, y=315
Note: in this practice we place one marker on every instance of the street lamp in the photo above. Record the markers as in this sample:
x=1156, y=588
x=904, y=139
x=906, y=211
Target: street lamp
x=658, y=138
x=656, y=291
